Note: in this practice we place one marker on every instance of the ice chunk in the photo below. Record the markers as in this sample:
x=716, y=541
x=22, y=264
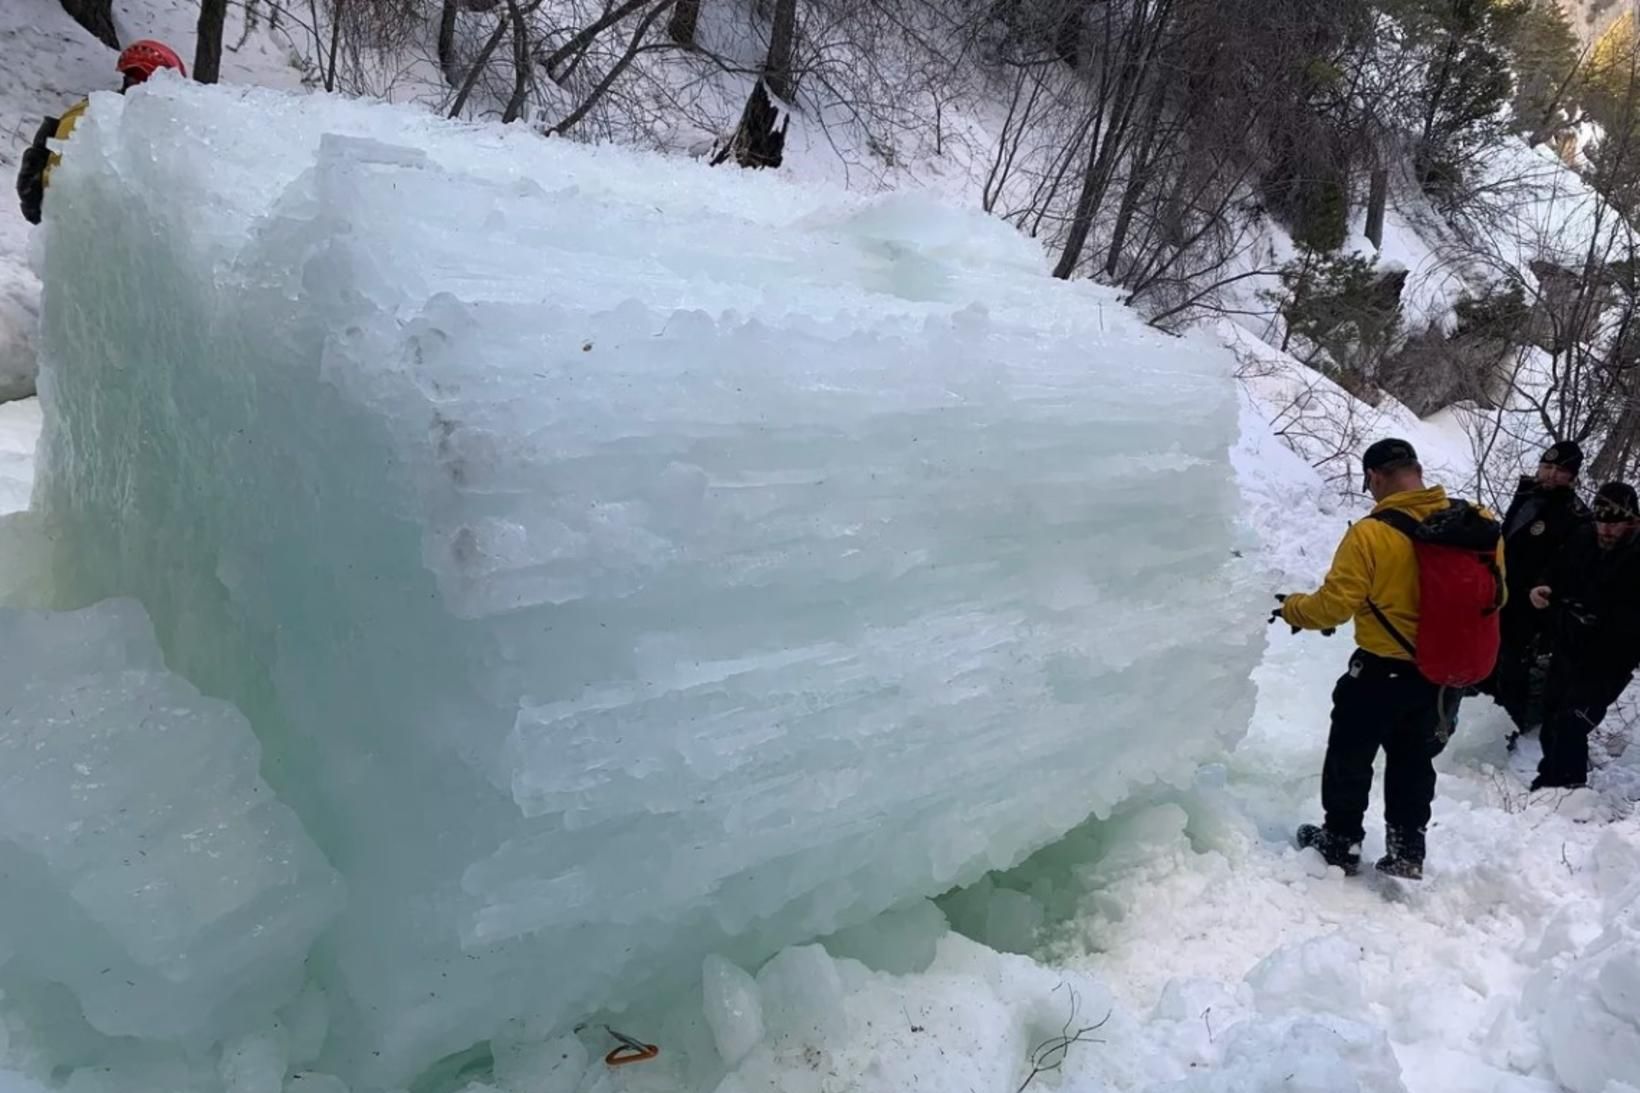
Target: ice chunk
x=901, y=941
x=150, y=869
x=12, y=1082
x=733, y=1009
x=551, y=1066
x=622, y=561
x=1591, y=1026
x=1320, y=975
x=255, y=1062
x=802, y=994
x=1313, y=1054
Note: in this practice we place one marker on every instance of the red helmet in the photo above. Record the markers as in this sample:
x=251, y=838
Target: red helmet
x=141, y=59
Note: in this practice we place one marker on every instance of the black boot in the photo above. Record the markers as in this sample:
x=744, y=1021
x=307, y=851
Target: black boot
x=1540, y=782
x=1403, y=853
x=1335, y=848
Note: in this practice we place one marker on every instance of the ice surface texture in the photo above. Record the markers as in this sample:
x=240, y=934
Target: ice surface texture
x=147, y=866
x=621, y=560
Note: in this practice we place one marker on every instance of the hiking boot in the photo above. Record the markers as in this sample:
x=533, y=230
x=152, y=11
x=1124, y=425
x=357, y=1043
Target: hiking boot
x=1334, y=848
x=1403, y=853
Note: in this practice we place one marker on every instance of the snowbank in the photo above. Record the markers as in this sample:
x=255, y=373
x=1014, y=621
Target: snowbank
x=19, y=433
x=621, y=561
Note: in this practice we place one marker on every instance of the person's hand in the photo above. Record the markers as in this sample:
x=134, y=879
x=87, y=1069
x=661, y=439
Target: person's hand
x=1275, y=616
x=1540, y=596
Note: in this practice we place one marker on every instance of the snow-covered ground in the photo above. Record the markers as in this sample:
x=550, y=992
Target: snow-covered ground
x=19, y=432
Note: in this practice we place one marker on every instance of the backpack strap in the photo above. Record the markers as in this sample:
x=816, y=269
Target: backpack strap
x=1389, y=627
x=1407, y=525
x=1403, y=522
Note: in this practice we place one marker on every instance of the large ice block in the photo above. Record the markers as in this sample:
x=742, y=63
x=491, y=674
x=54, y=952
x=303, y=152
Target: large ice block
x=147, y=867
x=622, y=560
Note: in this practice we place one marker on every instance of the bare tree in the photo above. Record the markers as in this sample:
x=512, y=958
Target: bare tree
x=96, y=16
x=521, y=64
x=685, y=22
x=1132, y=43
x=208, y=47
x=777, y=70
x=447, y=40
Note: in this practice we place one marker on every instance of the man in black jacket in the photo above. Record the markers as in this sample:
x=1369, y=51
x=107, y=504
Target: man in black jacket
x=1593, y=608
x=1545, y=517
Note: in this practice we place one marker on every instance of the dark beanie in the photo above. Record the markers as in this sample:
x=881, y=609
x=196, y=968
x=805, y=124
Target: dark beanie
x=1387, y=455
x=1567, y=454
x=1618, y=495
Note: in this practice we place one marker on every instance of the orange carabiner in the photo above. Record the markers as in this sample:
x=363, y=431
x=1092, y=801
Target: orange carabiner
x=631, y=1053
x=630, y=1050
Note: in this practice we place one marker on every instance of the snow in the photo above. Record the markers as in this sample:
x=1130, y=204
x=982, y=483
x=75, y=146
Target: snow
x=713, y=526
x=19, y=432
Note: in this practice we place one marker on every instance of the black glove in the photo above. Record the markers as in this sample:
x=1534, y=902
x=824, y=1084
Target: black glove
x=1275, y=616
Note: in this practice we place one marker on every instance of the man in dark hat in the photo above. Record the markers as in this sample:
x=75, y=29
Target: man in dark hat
x=1383, y=701
x=1545, y=519
x=1591, y=605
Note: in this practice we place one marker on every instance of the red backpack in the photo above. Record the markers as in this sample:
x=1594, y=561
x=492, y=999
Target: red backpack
x=1459, y=591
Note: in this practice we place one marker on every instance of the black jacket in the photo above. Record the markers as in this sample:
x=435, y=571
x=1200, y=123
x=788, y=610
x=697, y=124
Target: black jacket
x=1595, y=608
x=31, y=172
x=1537, y=530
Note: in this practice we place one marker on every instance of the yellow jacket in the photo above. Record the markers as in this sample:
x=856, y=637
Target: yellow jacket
x=1373, y=562
x=65, y=126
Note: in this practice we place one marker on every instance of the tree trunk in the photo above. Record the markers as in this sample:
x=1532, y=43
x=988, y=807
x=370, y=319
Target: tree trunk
x=1423, y=156
x=477, y=70
x=96, y=16
x=208, y=49
x=777, y=70
x=1377, y=198
x=521, y=65
x=1613, y=455
x=585, y=36
x=1140, y=39
x=447, y=40
x=756, y=143
x=685, y=21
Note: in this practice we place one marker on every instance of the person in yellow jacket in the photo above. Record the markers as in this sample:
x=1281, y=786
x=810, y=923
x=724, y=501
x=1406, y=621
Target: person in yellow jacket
x=1382, y=701
x=137, y=62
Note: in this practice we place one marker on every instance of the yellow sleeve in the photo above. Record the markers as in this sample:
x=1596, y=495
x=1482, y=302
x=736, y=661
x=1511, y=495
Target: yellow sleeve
x=1342, y=594
x=65, y=126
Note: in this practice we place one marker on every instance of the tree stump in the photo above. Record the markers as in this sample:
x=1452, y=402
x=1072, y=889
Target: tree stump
x=757, y=142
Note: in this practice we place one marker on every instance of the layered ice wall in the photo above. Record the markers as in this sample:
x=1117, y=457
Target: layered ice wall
x=620, y=560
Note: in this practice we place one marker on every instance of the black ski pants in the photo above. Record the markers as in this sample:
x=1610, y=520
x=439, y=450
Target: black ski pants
x=1576, y=711
x=1388, y=704
x=1511, y=682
